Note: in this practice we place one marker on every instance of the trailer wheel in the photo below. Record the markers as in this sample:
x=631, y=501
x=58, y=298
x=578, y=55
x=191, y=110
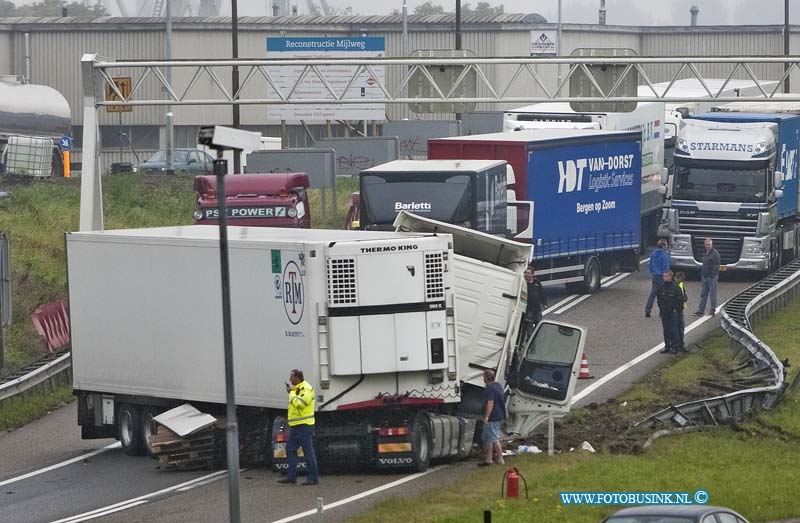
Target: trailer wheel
x=148, y=426
x=421, y=442
x=592, y=275
x=129, y=429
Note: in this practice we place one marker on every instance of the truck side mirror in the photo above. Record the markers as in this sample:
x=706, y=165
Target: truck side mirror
x=511, y=213
x=662, y=190
x=664, y=176
x=778, y=194
x=778, y=179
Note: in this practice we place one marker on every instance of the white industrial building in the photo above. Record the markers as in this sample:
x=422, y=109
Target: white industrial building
x=48, y=51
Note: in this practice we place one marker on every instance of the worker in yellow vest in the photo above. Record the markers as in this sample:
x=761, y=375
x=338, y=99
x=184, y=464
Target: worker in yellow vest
x=300, y=418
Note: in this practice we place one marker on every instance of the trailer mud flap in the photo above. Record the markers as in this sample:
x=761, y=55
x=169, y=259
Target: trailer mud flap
x=394, y=447
x=280, y=462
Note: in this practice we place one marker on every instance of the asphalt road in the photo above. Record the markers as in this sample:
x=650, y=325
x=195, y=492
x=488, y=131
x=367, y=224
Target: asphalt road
x=122, y=489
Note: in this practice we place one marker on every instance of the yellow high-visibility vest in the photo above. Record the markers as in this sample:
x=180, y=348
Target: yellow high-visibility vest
x=301, y=405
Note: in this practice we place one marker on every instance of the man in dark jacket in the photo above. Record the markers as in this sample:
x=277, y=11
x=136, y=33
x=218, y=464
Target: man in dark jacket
x=710, y=276
x=537, y=302
x=659, y=263
x=670, y=303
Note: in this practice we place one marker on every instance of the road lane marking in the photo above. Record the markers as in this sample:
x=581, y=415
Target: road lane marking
x=619, y=370
x=95, y=515
x=141, y=500
x=559, y=304
x=555, y=307
x=617, y=279
x=360, y=495
x=608, y=281
x=59, y=465
x=572, y=304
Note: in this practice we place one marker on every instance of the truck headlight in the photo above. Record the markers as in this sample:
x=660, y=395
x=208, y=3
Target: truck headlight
x=683, y=145
x=198, y=215
x=754, y=247
x=292, y=212
x=760, y=148
x=679, y=247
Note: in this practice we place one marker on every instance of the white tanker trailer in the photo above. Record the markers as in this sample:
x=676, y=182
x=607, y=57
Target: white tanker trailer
x=32, y=119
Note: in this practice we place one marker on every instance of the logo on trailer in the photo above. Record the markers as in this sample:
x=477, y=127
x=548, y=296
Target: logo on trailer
x=570, y=175
x=293, y=292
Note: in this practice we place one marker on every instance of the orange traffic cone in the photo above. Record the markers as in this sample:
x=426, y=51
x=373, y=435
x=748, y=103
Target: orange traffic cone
x=585, y=374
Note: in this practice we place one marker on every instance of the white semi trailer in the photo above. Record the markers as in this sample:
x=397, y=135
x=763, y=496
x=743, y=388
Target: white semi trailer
x=392, y=329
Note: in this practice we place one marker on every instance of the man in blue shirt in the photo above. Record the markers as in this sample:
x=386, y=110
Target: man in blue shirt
x=494, y=413
x=659, y=264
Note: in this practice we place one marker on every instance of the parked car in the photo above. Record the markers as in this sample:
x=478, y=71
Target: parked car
x=184, y=161
x=676, y=514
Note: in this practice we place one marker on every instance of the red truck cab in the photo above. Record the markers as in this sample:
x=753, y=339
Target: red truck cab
x=256, y=200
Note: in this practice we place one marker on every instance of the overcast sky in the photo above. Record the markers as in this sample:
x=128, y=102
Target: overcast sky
x=623, y=12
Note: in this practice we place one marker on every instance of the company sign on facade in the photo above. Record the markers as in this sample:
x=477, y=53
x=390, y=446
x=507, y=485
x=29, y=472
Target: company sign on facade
x=337, y=76
x=543, y=43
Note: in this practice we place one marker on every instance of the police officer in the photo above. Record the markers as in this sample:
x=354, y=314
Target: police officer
x=670, y=304
x=301, y=428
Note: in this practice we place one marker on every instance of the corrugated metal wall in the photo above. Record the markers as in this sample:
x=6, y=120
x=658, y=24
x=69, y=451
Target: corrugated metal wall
x=6, y=54
x=55, y=61
x=56, y=57
x=686, y=42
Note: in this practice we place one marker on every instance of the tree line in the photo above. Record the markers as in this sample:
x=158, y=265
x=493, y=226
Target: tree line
x=51, y=8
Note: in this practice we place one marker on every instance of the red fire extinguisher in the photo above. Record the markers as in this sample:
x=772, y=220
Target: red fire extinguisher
x=509, y=487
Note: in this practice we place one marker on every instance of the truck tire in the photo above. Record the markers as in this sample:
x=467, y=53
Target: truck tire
x=592, y=275
x=129, y=428
x=421, y=442
x=148, y=428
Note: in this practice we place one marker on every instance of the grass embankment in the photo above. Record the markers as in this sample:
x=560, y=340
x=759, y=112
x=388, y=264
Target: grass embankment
x=19, y=411
x=751, y=468
x=36, y=215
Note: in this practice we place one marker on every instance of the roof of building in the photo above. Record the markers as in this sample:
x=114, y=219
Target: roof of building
x=505, y=18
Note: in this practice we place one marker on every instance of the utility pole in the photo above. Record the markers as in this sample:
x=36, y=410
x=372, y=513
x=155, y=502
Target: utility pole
x=558, y=43
x=786, y=42
x=458, y=36
x=404, y=40
x=237, y=154
x=170, y=116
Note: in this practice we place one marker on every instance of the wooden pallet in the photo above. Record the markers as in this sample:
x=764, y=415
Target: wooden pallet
x=193, y=451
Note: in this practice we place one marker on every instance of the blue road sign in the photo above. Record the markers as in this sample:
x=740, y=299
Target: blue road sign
x=65, y=143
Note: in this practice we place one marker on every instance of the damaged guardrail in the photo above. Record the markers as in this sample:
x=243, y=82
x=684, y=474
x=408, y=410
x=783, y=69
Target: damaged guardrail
x=45, y=371
x=766, y=383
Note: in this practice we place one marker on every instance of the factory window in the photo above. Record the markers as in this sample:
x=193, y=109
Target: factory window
x=77, y=136
x=139, y=137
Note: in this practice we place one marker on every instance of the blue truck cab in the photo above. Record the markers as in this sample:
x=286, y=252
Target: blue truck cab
x=735, y=180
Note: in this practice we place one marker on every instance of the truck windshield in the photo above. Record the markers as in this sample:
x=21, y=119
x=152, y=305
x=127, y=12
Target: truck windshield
x=440, y=197
x=728, y=184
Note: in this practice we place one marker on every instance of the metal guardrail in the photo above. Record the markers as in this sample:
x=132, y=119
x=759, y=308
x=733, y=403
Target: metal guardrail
x=44, y=370
x=765, y=384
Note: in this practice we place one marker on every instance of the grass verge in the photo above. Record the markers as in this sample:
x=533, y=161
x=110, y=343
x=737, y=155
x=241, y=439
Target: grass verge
x=19, y=411
x=36, y=214
x=750, y=468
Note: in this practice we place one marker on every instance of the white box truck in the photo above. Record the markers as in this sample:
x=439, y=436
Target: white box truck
x=392, y=329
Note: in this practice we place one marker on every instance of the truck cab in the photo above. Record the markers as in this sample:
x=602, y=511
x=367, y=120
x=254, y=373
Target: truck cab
x=469, y=193
x=257, y=200
x=725, y=184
